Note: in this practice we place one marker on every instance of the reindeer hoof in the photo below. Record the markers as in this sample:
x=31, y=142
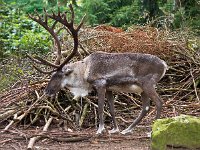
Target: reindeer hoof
x=100, y=130
x=115, y=130
x=126, y=132
x=149, y=134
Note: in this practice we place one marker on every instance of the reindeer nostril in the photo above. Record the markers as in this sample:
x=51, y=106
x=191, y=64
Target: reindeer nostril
x=50, y=91
x=47, y=92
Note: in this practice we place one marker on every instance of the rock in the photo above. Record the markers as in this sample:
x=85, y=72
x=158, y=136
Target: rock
x=180, y=131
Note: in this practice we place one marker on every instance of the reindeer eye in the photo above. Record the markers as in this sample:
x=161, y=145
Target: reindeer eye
x=68, y=71
x=66, y=74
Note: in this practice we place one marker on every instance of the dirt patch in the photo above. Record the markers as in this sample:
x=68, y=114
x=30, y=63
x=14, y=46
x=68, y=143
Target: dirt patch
x=19, y=138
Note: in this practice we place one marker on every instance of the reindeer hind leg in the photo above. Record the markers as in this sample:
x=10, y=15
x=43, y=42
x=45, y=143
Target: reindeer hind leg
x=145, y=108
x=153, y=95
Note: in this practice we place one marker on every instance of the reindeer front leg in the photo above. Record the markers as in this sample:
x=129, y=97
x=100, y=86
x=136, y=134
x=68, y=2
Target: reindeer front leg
x=110, y=99
x=100, y=87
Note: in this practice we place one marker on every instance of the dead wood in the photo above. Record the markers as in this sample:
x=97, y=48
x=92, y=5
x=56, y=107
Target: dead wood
x=34, y=139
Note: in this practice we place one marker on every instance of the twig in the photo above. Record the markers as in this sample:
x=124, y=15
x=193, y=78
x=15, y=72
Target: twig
x=10, y=124
x=5, y=141
x=17, y=119
x=34, y=139
x=7, y=113
x=69, y=139
x=194, y=85
x=90, y=102
x=84, y=113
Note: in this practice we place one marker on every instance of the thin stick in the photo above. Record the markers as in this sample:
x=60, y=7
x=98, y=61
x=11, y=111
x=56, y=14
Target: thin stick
x=10, y=124
x=34, y=139
x=195, y=90
x=84, y=113
x=17, y=119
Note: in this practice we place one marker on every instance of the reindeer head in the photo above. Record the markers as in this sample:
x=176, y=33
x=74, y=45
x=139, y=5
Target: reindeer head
x=58, y=79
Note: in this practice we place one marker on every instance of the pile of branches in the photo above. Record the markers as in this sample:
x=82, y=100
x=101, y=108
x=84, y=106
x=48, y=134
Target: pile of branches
x=181, y=84
x=180, y=88
x=183, y=61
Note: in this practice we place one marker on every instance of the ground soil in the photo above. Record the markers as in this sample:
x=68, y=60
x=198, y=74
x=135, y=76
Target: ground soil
x=17, y=139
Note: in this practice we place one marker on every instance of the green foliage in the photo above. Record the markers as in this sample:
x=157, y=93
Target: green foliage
x=34, y=42
x=97, y=11
x=125, y=16
x=192, y=12
x=188, y=15
x=30, y=6
x=125, y=13
x=115, y=12
x=19, y=34
x=179, y=20
x=128, y=15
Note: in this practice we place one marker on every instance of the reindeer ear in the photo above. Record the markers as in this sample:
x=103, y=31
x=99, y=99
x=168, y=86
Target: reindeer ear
x=68, y=71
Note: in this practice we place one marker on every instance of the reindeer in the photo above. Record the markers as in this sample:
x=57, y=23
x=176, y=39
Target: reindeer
x=105, y=73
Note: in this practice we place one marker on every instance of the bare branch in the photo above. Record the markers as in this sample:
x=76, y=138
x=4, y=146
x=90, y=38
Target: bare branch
x=40, y=61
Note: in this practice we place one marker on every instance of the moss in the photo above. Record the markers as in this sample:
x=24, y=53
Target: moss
x=181, y=131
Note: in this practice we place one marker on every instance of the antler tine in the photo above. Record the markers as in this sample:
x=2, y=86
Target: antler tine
x=44, y=9
x=74, y=31
x=81, y=23
x=54, y=24
x=59, y=17
x=32, y=17
x=44, y=72
x=58, y=10
x=72, y=14
x=45, y=17
x=37, y=14
x=44, y=23
x=38, y=20
x=40, y=60
x=71, y=55
x=33, y=59
x=45, y=62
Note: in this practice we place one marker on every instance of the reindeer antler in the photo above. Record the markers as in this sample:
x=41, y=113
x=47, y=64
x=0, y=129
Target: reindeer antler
x=61, y=18
x=44, y=23
x=70, y=25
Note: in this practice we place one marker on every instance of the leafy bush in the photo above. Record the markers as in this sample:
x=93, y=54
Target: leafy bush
x=97, y=11
x=34, y=42
x=19, y=34
x=178, y=18
x=126, y=16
